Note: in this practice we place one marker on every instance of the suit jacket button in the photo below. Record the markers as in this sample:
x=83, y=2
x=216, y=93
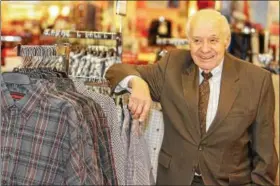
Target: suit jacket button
x=200, y=147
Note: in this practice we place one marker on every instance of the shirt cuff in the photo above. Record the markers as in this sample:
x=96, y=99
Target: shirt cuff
x=123, y=85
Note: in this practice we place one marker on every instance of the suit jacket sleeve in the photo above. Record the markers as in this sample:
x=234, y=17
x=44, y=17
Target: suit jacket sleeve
x=265, y=161
x=152, y=74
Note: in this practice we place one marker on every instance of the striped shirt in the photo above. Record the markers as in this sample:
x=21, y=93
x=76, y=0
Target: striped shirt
x=42, y=141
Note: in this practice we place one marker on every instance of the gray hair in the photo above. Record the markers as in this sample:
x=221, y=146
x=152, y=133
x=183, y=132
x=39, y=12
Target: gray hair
x=215, y=15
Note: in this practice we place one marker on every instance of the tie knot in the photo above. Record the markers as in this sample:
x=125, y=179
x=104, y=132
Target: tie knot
x=206, y=76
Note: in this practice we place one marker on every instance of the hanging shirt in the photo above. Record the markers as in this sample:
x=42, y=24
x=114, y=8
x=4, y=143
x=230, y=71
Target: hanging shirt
x=94, y=117
x=138, y=165
x=153, y=134
x=89, y=125
x=95, y=114
x=41, y=140
x=152, y=129
x=109, y=108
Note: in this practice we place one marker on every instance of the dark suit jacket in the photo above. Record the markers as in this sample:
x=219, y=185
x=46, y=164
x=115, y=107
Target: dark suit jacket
x=239, y=146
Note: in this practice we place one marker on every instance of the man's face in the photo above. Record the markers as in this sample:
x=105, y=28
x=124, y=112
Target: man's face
x=207, y=44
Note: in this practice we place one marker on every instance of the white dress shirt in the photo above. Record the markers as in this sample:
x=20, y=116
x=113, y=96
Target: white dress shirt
x=123, y=85
x=214, y=83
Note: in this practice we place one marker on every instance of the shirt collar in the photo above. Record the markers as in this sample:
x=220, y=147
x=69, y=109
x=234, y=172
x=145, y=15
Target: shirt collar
x=216, y=72
x=28, y=102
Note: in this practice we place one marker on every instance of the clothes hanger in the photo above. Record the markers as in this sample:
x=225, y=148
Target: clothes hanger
x=16, y=78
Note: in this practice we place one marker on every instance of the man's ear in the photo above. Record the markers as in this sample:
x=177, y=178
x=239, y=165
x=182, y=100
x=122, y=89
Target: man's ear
x=227, y=42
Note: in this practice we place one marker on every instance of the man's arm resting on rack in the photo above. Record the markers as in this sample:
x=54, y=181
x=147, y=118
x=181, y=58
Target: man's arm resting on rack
x=147, y=83
x=140, y=99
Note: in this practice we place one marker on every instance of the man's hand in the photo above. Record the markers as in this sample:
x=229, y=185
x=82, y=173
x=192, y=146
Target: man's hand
x=140, y=99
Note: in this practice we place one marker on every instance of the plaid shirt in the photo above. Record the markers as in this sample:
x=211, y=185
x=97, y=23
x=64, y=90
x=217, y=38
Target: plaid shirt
x=138, y=167
x=110, y=111
x=88, y=125
x=152, y=131
x=153, y=135
x=42, y=141
x=95, y=116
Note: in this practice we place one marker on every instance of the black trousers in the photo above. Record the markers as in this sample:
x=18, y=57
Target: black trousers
x=197, y=181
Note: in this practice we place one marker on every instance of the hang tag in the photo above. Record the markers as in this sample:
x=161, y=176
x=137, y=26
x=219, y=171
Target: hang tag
x=17, y=95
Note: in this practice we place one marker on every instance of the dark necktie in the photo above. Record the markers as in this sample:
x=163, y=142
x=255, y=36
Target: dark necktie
x=204, y=92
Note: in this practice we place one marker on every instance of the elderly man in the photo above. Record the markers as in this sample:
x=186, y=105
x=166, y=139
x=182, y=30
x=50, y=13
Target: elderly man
x=218, y=110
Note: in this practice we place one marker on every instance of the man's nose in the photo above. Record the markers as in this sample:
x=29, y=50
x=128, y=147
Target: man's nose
x=205, y=47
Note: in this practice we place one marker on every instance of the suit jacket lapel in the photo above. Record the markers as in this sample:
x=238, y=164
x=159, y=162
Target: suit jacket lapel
x=228, y=93
x=190, y=81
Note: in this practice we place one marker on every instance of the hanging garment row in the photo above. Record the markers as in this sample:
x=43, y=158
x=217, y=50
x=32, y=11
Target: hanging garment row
x=53, y=135
x=57, y=62
x=37, y=50
x=89, y=61
x=92, y=61
x=57, y=130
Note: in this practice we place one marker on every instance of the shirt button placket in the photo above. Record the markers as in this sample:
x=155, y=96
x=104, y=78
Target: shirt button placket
x=13, y=119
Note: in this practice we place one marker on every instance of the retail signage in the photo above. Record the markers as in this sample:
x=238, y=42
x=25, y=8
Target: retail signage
x=57, y=33
x=121, y=7
x=80, y=34
x=172, y=41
